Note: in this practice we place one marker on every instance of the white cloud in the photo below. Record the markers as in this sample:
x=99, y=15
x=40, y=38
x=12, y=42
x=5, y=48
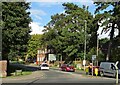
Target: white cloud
x=103, y=35
x=36, y=28
x=106, y=35
x=37, y=13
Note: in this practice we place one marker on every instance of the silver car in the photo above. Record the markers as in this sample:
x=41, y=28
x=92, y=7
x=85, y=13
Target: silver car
x=108, y=69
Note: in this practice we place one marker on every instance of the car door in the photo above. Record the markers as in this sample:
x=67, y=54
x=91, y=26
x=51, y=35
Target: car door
x=111, y=70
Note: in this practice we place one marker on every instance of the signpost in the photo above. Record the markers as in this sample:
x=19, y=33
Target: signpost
x=52, y=57
x=116, y=71
x=93, y=58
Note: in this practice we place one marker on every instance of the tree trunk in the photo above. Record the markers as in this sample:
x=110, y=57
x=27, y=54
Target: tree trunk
x=5, y=57
x=109, y=51
x=110, y=43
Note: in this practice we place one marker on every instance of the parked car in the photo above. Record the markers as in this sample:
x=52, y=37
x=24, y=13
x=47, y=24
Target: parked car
x=67, y=67
x=108, y=69
x=44, y=66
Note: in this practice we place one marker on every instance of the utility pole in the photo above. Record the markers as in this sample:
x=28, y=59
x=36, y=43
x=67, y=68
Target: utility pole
x=97, y=48
x=39, y=56
x=85, y=45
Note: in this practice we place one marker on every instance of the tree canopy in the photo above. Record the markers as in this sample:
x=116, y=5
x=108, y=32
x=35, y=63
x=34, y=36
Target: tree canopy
x=33, y=45
x=65, y=31
x=110, y=19
x=15, y=31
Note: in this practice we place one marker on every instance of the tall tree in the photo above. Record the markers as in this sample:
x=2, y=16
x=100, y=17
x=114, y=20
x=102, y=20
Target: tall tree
x=68, y=37
x=1, y=31
x=110, y=19
x=15, y=31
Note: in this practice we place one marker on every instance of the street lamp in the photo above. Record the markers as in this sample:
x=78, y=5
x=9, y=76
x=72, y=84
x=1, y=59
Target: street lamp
x=84, y=62
x=39, y=51
x=97, y=47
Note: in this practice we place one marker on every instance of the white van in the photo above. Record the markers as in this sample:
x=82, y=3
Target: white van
x=108, y=69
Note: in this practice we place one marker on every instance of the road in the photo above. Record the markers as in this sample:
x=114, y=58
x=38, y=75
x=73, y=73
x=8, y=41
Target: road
x=56, y=76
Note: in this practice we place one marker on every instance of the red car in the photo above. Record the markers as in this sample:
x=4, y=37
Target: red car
x=66, y=67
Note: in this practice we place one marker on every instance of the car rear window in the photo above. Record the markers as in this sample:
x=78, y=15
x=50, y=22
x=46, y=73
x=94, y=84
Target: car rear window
x=45, y=65
x=69, y=65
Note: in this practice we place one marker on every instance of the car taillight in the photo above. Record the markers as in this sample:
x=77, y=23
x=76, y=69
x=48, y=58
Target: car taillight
x=67, y=68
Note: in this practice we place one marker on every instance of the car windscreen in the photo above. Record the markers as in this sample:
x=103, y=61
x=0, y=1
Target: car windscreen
x=45, y=65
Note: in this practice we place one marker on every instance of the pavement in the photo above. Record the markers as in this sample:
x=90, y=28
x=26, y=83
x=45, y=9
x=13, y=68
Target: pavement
x=25, y=77
x=33, y=75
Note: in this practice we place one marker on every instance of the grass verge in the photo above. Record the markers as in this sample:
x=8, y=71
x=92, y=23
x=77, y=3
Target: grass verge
x=23, y=74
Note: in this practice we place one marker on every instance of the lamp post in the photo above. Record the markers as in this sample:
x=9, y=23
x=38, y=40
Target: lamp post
x=97, y=47
x=84, y=62
x=39, y=51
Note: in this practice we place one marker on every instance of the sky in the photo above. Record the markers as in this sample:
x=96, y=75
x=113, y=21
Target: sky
x=42, y=10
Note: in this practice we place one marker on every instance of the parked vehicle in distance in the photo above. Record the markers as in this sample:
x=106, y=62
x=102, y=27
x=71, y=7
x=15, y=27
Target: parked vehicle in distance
x=108, y=69
x=67, y=67
x=44, y=66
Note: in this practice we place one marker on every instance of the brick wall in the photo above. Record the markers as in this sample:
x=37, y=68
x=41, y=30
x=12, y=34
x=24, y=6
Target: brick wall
x=3, y=68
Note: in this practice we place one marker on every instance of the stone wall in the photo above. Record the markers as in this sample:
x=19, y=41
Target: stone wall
x=3, y=68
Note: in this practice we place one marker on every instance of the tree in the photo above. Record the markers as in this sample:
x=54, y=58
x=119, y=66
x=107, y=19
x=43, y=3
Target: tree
x=1, y=32
x=15, y=31
x=68, y=38
x=33, y=45
x=110, y=20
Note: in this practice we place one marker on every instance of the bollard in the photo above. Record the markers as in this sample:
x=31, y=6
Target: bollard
x=96, y=71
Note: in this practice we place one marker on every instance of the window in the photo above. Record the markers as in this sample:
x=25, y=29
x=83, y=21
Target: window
x=45, y=65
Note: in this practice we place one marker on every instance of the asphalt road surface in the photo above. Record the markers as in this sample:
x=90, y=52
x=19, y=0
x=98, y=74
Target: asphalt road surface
x=56, y=76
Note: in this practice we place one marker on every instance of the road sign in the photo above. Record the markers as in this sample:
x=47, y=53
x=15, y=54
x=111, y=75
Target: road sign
x=116, y=71
x=93, y=57
x=51, y=57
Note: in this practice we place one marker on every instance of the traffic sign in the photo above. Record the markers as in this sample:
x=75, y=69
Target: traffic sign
x=116, y=71
x=93, y=57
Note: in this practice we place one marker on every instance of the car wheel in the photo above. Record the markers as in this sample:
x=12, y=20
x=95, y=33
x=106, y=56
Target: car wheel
x=101, y=74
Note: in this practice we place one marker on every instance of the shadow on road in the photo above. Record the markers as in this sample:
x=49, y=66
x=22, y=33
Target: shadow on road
x=23, y=67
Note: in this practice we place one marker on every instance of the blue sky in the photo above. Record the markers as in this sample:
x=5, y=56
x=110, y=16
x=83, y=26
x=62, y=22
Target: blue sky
x=41, y=12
